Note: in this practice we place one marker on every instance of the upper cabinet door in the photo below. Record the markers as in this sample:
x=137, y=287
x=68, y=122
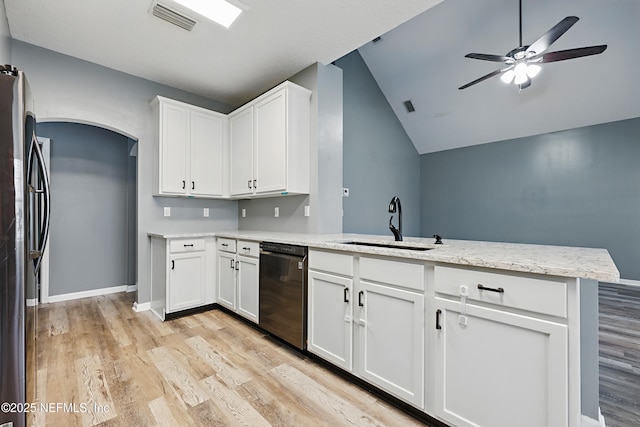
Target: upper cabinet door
x=271, y=143
x=241, y=152
x=207, y=142
x=174, y=128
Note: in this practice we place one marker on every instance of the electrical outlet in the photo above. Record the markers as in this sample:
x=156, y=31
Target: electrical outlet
x=345, y=192
x=205, y=212
x=244, y=213
x=167, y=211
x=276, y=212
x=307, y=210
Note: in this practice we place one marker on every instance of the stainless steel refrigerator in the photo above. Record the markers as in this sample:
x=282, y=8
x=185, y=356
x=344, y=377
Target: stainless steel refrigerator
x=24, y=226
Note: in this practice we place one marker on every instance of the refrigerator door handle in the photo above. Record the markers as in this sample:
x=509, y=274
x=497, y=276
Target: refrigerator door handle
x=36, y=254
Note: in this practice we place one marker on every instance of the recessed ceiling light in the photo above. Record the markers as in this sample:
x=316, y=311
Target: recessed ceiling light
x=220, y=11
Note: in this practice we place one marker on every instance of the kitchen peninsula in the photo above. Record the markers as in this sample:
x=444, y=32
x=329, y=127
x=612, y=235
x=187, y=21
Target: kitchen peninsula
x=470, y=333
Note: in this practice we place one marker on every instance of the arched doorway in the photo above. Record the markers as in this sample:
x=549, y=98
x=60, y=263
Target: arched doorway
x=92, y=250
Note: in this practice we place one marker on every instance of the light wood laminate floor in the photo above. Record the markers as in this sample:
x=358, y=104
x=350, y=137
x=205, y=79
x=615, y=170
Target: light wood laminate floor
x=210, y=369
x=207, y=369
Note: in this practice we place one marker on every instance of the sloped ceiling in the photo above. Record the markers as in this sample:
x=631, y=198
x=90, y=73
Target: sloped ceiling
x=423, y=60
x=271, y=41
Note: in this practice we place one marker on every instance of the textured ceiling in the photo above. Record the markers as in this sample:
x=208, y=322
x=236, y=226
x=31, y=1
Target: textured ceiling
x=423, y=60
x=270, y=42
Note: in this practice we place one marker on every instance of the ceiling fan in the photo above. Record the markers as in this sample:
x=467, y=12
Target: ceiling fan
x=521, y=64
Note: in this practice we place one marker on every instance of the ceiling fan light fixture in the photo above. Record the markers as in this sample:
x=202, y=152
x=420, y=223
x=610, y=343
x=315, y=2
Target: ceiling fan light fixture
x=508, y=76
x=520, y=72
x=533, y=70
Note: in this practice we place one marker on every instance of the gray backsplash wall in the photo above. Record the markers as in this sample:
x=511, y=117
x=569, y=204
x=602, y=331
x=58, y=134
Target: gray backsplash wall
x=579, y=187
x=325, y=166
x=380, y=160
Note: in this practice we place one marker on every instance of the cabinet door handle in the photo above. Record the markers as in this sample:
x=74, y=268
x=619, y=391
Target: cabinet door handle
x=173, y=265
x=249, y=184
x=255, y=183
x=193, y=185
x=484, y=288
x=346, y=294
x=184, y=184
x=232, y=267
x=438, y=313
x=360, y=295
x=237, y=265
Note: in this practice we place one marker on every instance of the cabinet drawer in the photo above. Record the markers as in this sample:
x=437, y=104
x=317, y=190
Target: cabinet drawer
x=226, y=245
x=331, y=262
x=535, y=294
x=248, y=248
x=186, y=245
x=407, y=275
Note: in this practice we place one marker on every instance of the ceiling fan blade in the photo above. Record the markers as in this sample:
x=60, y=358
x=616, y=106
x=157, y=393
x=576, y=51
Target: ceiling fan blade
x=562, y=55
x=487, y=57
x=552, y=35
x=483, y=78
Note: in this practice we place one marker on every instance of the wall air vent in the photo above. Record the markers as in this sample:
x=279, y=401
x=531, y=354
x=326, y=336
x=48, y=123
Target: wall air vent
x=409, y=106
x=173, y=17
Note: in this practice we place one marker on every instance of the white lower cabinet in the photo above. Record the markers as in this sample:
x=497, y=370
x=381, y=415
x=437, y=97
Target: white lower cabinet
x=496, y=366
x=391, y=340
x=330, y=333
x=186, y=281
x=182, y=274
x=374, y=330
x=238, y=276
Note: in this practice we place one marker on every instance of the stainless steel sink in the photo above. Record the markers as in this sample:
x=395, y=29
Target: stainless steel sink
x=388, y=245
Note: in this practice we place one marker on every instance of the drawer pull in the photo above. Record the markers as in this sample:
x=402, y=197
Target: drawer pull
x=188, y=246
x=346, y=295
x=438, y=313
x=246, y=249
x=225, y=245
x=484, y=288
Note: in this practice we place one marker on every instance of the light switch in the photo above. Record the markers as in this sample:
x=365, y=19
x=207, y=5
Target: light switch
x=167, y=211
x=276, y=212
x=205, y=212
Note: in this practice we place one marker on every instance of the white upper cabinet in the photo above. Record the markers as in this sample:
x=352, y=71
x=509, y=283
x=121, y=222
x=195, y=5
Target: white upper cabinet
x=191, y=150
x=241, y=151
x=269, y=143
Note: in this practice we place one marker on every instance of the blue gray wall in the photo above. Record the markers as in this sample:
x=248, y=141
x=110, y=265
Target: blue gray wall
x=579, y=187
x=380, y=160
x=5, y=37
x=89, y=207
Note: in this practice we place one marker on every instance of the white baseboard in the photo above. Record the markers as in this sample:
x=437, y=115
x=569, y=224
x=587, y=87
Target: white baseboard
x=141, y=307
x=590, y=422
x=85, y=294
x=629, y=282
x=132, y=288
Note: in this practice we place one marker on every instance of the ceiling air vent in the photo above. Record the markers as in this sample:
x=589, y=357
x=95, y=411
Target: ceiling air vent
x=173, y=17
x=409, y=106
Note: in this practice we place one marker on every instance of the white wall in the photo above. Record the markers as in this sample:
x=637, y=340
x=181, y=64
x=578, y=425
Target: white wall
x=68, y=89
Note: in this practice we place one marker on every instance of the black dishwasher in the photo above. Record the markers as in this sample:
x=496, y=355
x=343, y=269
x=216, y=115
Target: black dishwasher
x=283, y=292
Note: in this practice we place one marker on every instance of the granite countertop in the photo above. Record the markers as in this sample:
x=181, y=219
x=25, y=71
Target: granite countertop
x=588, y=263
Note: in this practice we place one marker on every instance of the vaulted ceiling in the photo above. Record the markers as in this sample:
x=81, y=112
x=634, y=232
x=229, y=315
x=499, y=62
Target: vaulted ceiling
x=420, y=56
